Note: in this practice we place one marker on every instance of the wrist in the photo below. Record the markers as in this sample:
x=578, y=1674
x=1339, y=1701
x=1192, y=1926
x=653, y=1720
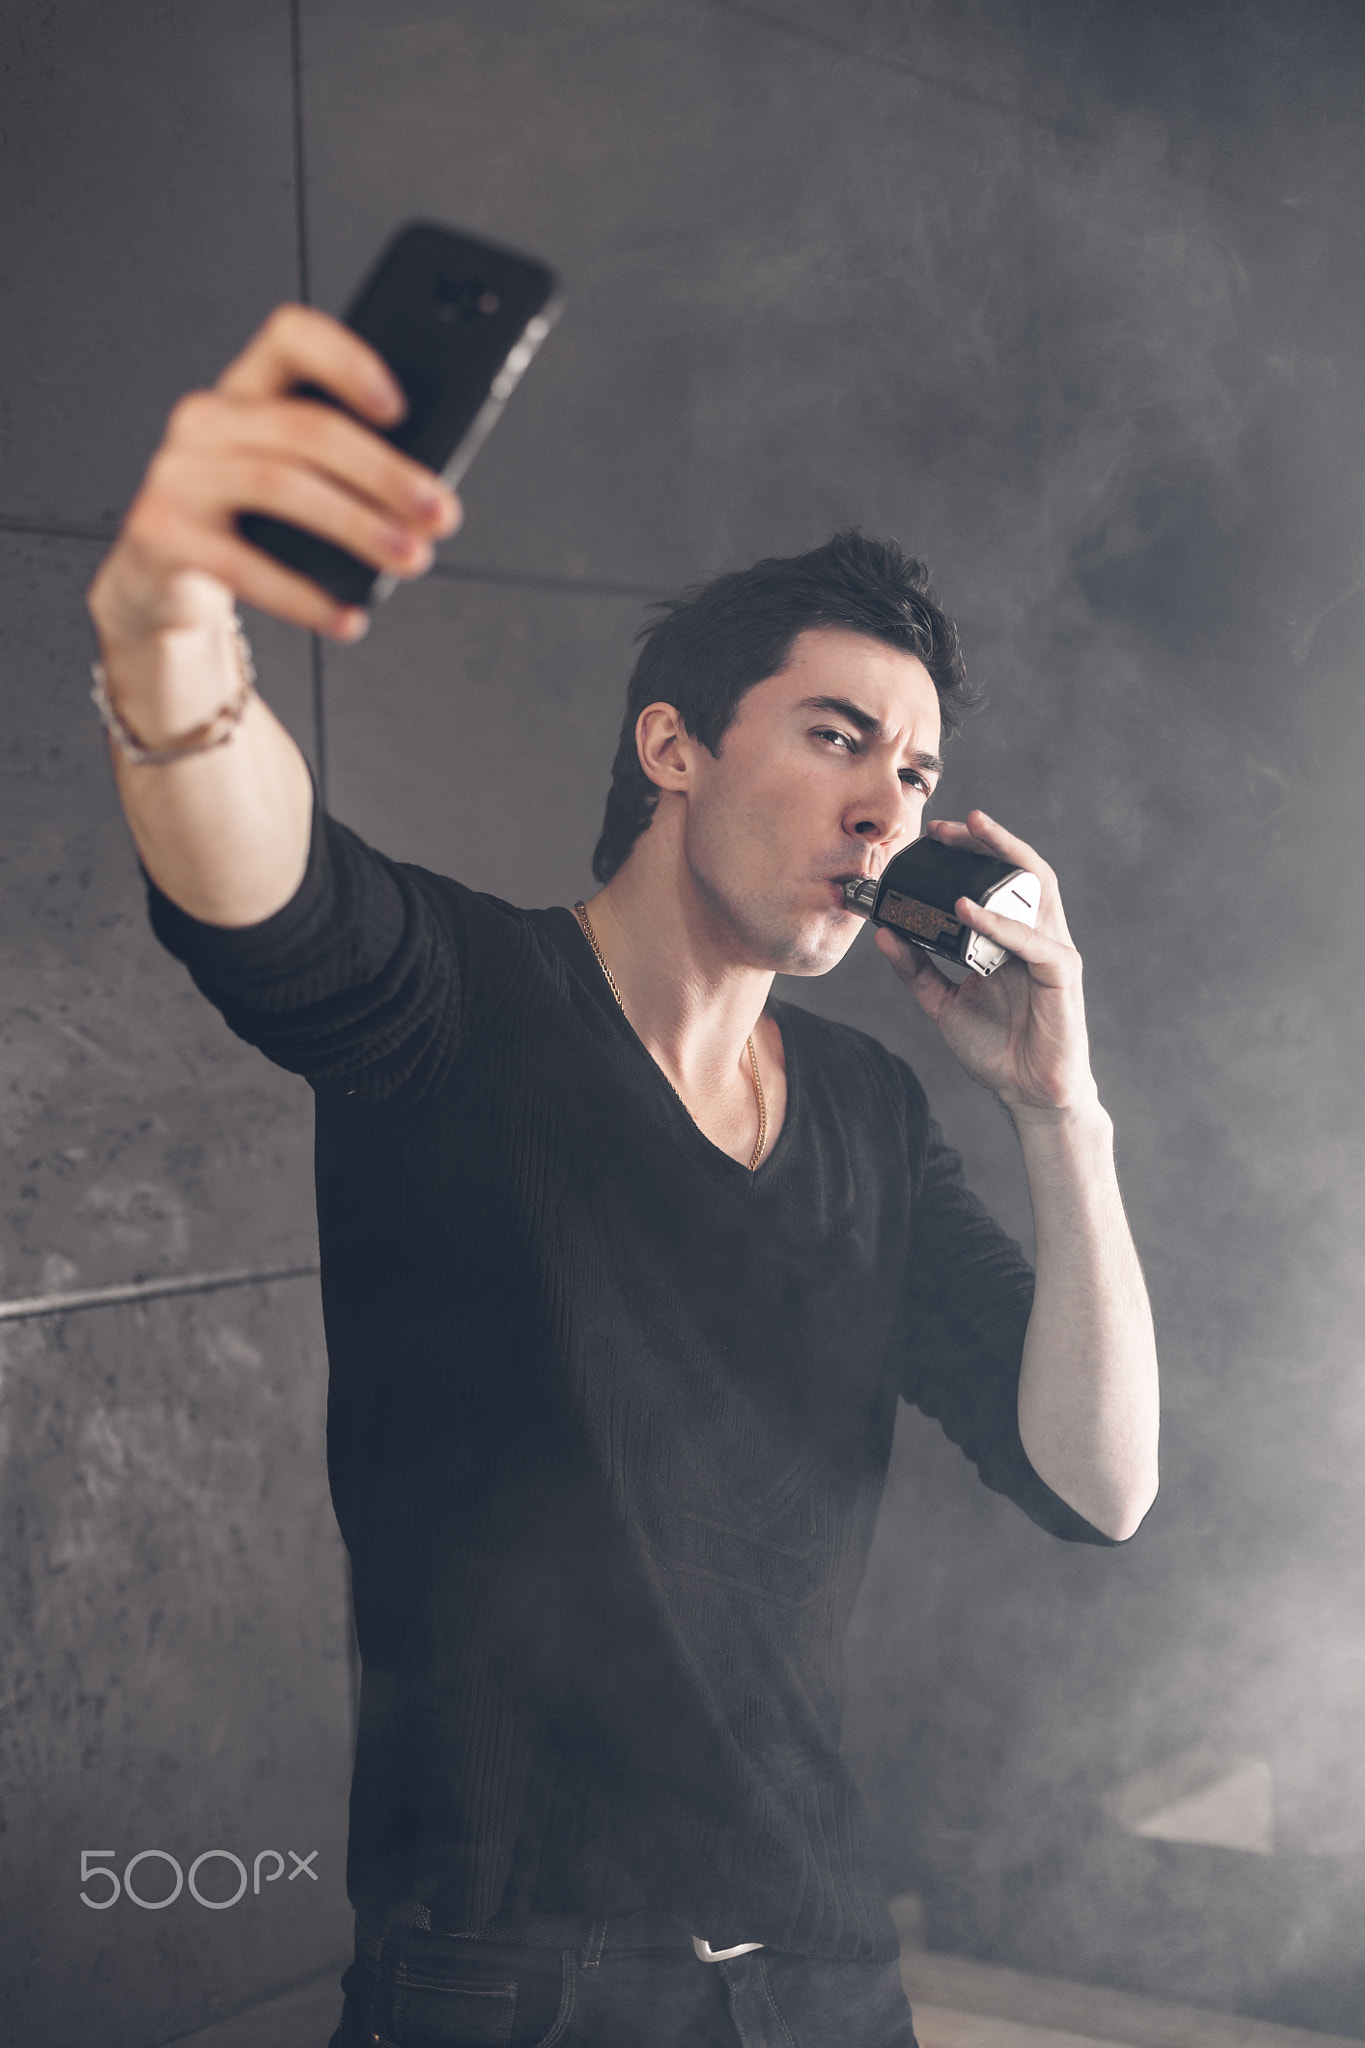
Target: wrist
x=1079, y=1137
x=168, y=690
x=1083, y=1108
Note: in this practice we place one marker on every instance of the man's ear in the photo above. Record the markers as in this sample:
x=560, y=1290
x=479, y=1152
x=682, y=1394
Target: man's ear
x=664, y=746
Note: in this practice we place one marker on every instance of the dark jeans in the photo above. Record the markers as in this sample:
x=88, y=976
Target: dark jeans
x=412, y=1989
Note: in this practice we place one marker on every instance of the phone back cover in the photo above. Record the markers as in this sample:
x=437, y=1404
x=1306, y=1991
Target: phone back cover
x=445, y=312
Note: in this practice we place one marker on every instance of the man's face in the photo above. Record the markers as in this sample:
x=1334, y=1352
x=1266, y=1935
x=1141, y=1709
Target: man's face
x=823, y=776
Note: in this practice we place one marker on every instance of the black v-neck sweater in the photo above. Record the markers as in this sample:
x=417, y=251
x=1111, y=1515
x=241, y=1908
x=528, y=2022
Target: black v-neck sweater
x=609, y=1415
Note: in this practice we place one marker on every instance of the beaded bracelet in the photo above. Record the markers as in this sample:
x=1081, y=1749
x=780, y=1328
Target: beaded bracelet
x=215, y=731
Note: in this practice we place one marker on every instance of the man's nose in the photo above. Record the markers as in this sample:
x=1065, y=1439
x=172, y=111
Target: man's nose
x=880, y=811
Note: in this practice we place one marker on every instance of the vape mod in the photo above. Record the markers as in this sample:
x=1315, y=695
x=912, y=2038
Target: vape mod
x=916, y=892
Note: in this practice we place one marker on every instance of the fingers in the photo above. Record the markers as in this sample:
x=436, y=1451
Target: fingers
x=917, y=970
x=981, y=834
x=298, y=344
x=259, y=481
x=160, y=543
x=250, y=445
x=205, y=431
x=293, y=459
x=1051, y=960
x=950, y=832
x=305, y=462
x=185, y=518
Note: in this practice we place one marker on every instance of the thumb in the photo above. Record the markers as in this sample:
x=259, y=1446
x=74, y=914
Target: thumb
x=916, y=969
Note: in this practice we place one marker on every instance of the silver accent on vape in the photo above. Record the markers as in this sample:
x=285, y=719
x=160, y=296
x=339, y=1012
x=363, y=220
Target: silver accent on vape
x=861, y=895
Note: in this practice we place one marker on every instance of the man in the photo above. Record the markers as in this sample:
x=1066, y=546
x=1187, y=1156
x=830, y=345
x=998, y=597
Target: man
x=624, y=1266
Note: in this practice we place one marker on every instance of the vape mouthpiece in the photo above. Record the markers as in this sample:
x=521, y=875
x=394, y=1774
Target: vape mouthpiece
x=861, y=896
x=916, y=894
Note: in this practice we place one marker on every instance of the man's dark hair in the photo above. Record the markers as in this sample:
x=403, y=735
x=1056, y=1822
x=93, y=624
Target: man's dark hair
x=707, y=647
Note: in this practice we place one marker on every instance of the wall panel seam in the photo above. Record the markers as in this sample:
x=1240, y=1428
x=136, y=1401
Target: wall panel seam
x=1020, y=110
x=532, y=579
x=300, y=189
x=513, y=579
x=880, y=60
x=60, y=1304
x=57, y=529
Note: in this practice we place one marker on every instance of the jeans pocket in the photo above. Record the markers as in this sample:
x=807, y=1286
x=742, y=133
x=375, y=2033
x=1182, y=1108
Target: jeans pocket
x=468, y=2007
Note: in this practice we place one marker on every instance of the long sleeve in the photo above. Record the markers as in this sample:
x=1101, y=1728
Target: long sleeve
x=357, y=983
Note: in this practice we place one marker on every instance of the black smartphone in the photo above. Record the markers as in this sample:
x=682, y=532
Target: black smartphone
x=457, y=321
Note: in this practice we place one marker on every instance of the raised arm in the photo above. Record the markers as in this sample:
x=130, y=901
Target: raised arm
x=224, y=832
x=1088, y=1393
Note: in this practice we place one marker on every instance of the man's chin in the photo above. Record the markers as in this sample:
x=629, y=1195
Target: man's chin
x=820, y=948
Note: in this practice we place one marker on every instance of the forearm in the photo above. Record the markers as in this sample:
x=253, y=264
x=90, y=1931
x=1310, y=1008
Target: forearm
x=1088, y=1395
x=224, y=833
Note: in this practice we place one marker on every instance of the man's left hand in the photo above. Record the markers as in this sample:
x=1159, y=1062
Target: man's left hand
x=1020, y=1031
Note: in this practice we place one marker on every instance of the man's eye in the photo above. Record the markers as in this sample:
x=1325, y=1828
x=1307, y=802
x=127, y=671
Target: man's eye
x=829, y=733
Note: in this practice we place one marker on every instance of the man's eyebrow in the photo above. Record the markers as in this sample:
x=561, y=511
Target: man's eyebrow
x=872, y=728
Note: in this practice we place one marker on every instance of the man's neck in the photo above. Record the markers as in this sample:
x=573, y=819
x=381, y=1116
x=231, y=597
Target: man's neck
x=691, y=1001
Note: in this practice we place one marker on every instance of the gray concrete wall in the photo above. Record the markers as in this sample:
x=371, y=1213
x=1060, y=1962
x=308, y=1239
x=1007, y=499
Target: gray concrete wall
x=1068, y=298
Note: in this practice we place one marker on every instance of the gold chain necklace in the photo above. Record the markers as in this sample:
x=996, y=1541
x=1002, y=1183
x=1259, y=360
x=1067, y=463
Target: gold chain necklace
x=581, y=913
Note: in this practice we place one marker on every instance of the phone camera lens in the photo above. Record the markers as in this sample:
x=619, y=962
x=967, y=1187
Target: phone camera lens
x=460, y=298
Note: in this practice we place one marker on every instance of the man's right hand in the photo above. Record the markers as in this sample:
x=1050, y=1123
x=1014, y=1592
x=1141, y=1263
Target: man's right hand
x=224, y=831
x=247, y=445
